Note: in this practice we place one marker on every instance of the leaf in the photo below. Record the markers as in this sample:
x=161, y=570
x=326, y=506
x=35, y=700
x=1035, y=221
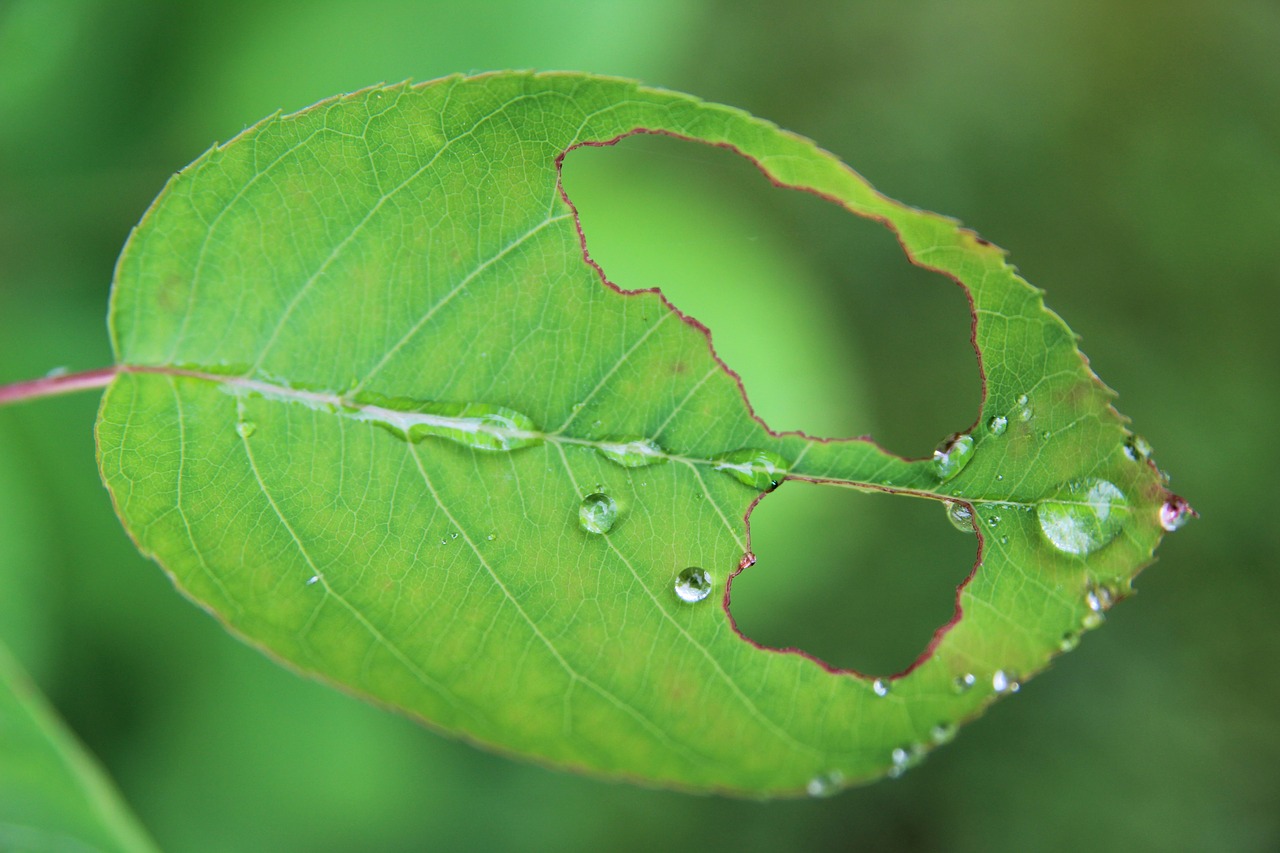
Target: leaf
x=52, y=794
x=369, y=376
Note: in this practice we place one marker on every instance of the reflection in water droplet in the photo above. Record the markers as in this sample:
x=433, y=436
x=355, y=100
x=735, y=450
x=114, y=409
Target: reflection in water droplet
x=693, y=584
x=825, y=784
x=998, y=425
x=960, y=515
x=952, y=455
x=1174, y=513
x=1083, y=516
x=632, y=452
x=1004, y=682
x=962, y=683
x=880, y=687
x=246, y=428
x=759, y=469
x=597, y=513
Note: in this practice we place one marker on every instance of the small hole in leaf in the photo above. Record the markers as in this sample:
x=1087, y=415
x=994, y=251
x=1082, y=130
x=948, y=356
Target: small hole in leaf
x=833, y=331
x=861, y=581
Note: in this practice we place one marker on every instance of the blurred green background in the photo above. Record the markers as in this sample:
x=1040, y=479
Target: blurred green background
x=1128, y=154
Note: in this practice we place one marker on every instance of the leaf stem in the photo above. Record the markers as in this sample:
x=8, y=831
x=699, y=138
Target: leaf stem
x=49, y=386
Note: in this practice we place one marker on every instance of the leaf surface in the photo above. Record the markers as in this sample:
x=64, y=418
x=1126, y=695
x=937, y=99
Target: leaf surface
x=369, y=375
x=52, y=795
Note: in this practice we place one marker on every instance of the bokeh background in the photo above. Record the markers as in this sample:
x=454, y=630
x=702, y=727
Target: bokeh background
x=1128, y=154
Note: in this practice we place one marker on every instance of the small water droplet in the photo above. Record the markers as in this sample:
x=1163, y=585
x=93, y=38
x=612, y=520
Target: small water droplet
x=904, y=758
x=1004, y=682
x=998, y=425
x=880, y=687
x=313, y=579
x=1137, y=448
x=1004, y=540
x=693, y=584
x=960, y=515
x=1099, y=598
x=453, y=535
x=963, y=683
x=1174, y=513
x=943, y=733
x=952, y=455
x=825, y=784
x=597, y=513
x=491, y=537
x=1024, y=408
x=993, y=521
x=999, y=476
x=632, y=452
x=1083, y=516
x=1069, y=641
x=760, y=469
x=246, y=428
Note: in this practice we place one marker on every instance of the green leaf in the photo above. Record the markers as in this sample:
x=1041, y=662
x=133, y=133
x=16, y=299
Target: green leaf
x=368, y=379
x=53, y=796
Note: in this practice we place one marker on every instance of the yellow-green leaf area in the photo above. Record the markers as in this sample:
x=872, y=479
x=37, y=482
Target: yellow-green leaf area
x=369, y=378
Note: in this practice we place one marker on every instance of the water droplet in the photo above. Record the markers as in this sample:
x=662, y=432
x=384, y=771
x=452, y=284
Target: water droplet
x=1004, y=540
x=825, y=784
x=1069, y=641
x=999, y=476
x=453, y=535
x=313, y=579
x=1099, y=598
x=1174, y=513
x=880, y=687
x=1083, y=516
x=998, y=425
x=993, y=521
x=1137, y=448
x=479, y=426
x=246, y=428
x=952, y=455
x=943, y=733
x=632, y=452
x=760, y=469
x=491, y=537
x=962, y=683
x=1004, y=682
x=960, y=515
x=1024, y=408
x=597, y=513
x=904, y=758
x=693, y=584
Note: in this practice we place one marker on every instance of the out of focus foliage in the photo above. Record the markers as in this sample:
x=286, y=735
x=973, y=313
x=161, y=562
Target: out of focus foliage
x=1128, y=154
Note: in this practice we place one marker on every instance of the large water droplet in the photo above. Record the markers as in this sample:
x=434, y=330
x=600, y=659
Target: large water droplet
x=246, y=428
x=960, y=515
x=1083, y=516
x=952, y=455
x=632, y=452
x=759, y=469
x=693, y=584
x=479, y=426
x=1174, y=513
x=998, y=425
x=597, y=513
x=825, y=784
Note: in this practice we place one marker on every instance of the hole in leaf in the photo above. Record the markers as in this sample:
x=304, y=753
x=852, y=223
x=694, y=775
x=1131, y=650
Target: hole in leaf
x=861, y=581
x=833, y=331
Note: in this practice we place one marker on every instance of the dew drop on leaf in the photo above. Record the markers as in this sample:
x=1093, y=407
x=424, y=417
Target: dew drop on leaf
x=880, y=687
x=693, y=584
x=1083, y=516
x=1174, y=513
x=950, y=457
x=597, y=513
x=246, y=428
x=1137, y=448
x=943, y=733
x=1004, y=682
x=963, y=683
x=825, y=784
x=759, y=469
x=997, y=425
x=960, y=515
x=632, y=452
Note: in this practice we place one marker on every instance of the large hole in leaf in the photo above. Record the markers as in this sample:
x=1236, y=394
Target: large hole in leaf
x=832, y=329
x=860, y=581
